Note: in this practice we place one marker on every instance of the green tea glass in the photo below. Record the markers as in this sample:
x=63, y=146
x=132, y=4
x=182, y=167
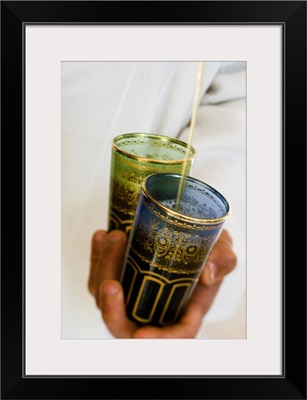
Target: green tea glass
x=134, y=157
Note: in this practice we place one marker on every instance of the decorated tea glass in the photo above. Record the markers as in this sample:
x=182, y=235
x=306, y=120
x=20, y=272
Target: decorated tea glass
x=134, y=157
x=170, y=241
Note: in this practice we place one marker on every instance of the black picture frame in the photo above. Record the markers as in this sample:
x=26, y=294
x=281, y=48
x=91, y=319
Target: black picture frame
x=14, y=16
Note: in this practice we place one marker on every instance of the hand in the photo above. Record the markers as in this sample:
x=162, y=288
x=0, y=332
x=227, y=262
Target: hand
x=107, y=257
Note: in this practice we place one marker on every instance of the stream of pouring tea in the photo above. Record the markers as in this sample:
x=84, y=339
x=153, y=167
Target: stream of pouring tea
x=191, y=131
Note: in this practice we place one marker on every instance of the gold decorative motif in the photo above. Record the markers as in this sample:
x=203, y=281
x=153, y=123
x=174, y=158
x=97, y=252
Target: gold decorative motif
x=163, y=284
x=128, y=179
x=168, y=248
x=179, y=306
x=170, y=269
x=153, y=141
x=119, y=223
x=129, y=169
x=136, y=266
x=139, y=297
x=186, y=219
x=175, y=222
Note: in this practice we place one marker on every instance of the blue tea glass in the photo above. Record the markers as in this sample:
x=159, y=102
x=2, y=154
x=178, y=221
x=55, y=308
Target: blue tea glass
x=169, y=244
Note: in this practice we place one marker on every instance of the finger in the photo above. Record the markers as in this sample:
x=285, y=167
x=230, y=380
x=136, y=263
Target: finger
x=200, y=303
x=98, y=239
x=225, y=237
x=112, y=306
x=112, y=258
x=222, y=260
x=191, y=320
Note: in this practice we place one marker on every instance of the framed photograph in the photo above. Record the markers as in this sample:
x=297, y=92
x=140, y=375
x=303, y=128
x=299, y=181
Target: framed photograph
x=56, y=60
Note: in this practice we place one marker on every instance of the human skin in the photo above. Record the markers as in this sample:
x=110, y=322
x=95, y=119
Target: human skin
x=107, y=257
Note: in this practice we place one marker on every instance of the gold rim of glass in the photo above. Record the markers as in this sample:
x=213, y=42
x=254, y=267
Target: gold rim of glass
x=184, y=217
x=153, y=136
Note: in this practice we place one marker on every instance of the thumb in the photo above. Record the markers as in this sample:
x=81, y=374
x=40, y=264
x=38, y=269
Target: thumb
x=112, y=306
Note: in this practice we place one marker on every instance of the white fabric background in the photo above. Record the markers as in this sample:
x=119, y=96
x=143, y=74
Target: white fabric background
x=103, y=99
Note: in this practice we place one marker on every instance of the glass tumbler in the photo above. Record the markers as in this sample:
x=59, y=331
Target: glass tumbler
x=168, y=246
x=134, y=157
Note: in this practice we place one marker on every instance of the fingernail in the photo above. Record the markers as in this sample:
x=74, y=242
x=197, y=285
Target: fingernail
x=212, y=270
x=115, y=236
x=109, y=289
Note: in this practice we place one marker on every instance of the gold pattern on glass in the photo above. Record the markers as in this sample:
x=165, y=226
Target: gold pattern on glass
x=172, y=213
x=188, y=285
x=120, y=222
x=158, y=141
x=159, y=276
x=175, y=222
x=136, y=305
x=179, y=250
x=169, y=269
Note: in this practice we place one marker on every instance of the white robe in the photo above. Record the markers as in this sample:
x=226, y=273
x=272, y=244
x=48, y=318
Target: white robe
x=100, y=100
